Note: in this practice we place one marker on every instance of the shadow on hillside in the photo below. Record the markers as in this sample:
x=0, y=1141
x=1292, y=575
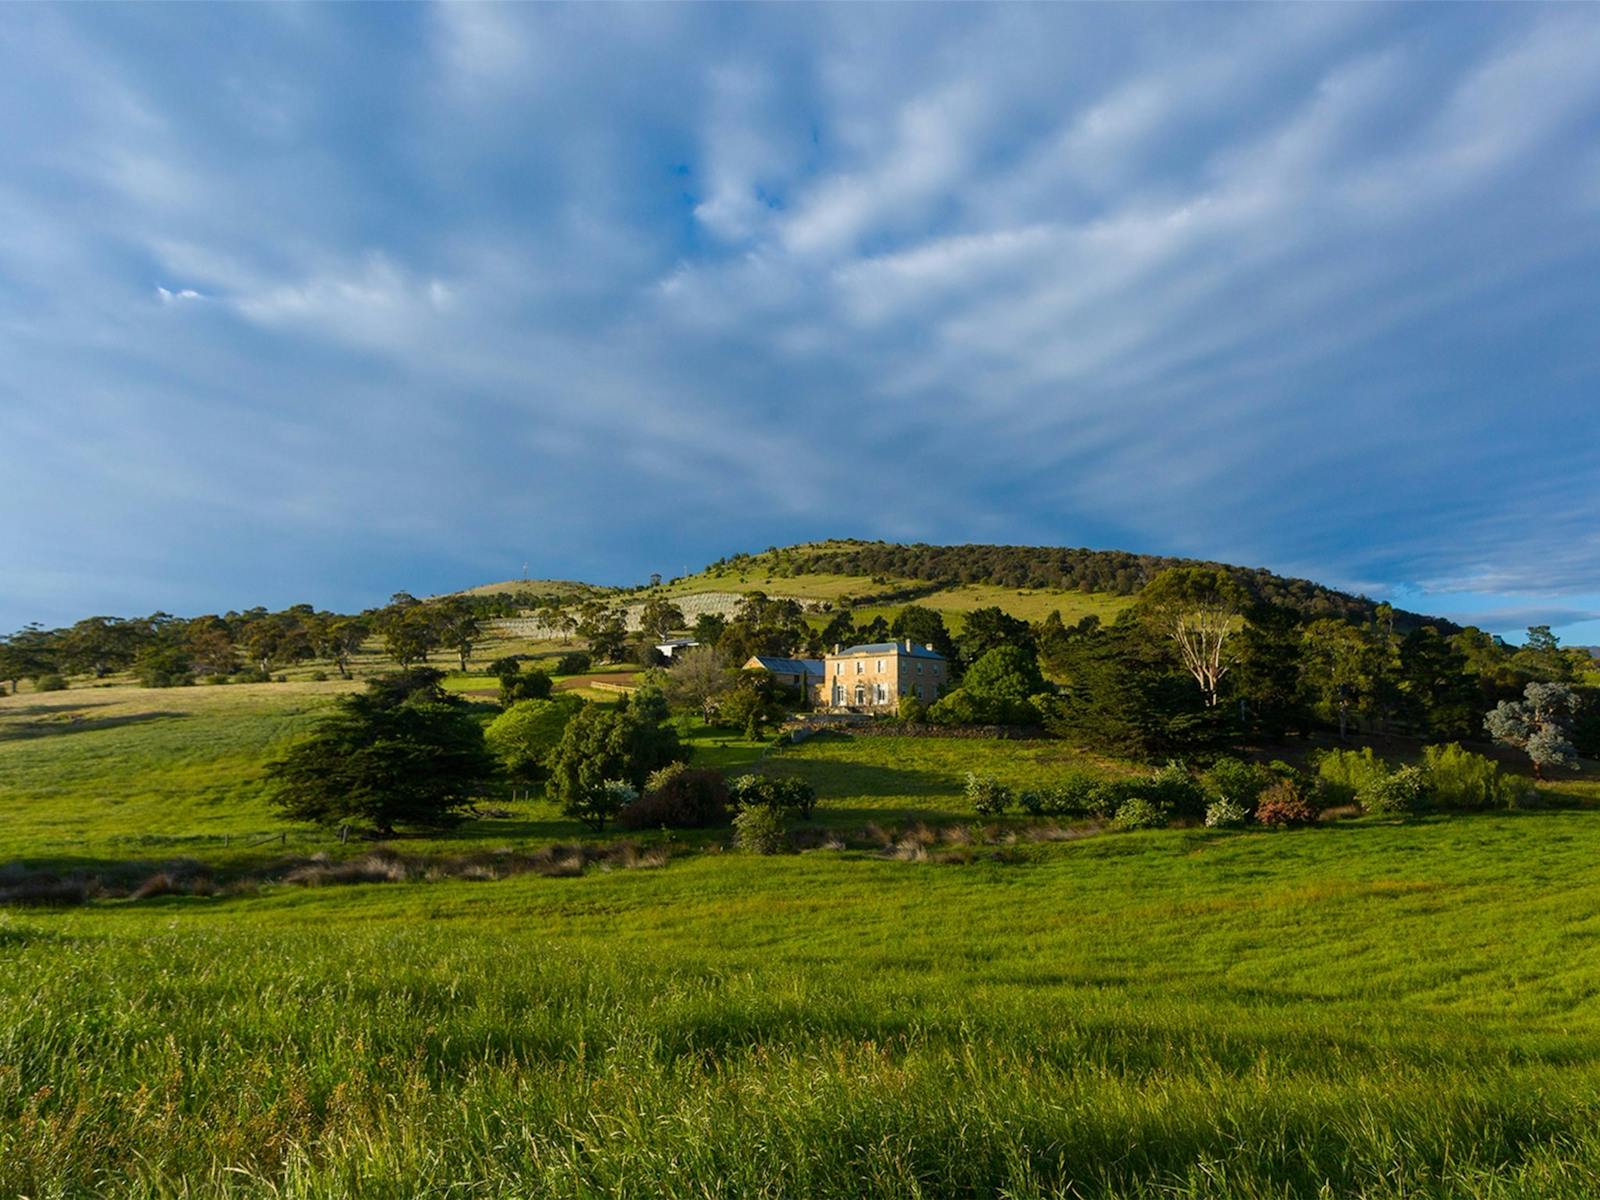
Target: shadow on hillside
x=847, y=780
x=69, y=720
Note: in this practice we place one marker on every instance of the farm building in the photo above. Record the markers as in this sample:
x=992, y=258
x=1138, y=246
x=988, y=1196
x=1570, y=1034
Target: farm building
x=802, y=673
x=670, y=648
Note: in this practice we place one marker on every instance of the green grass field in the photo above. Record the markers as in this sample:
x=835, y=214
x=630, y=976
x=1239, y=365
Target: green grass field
x=1365, y=1008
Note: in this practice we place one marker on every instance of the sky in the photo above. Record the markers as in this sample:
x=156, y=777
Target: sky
x=309, y=303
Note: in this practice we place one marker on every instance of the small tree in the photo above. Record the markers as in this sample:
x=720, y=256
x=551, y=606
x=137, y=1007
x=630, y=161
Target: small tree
x=596, y=805
x=698, y=677
x=660, y=617
x=1539, y=724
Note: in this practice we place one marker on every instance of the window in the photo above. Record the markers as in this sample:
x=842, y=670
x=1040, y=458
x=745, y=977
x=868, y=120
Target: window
x=838, y=668
x=880, y=666
x=861, y=694
x=919, y=692
x=919, y=668
x=881, y=694
x=860, y=666
x=838, y=694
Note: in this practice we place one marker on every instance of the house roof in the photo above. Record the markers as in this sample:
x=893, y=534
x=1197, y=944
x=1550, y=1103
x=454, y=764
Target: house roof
x=915, y=651
x=788, y=666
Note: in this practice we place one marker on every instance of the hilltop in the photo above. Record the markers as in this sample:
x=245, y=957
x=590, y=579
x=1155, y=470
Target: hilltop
x=1030, y=582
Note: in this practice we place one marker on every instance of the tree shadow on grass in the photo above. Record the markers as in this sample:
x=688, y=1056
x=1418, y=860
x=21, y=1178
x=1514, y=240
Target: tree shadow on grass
x=70, y=720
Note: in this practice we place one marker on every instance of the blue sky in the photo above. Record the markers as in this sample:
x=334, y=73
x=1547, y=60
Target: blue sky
x=317, y=303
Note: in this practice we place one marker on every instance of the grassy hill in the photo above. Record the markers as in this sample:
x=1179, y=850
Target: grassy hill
x=564, y=588
x=878, y=578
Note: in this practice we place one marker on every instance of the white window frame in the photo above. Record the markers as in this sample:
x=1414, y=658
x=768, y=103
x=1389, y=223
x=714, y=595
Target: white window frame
x=880, y=694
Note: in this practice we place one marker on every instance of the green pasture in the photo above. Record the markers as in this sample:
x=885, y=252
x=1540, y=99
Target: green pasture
x=1371, y=1008
x=1364, y=1009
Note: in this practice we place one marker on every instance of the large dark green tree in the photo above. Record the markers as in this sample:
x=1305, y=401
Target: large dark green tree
x=26, y=654
x=925, y=627
x=402, y=753
x=987, y=629
x=1123, y=695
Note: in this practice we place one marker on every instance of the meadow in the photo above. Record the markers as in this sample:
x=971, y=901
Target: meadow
x=1376, y=1008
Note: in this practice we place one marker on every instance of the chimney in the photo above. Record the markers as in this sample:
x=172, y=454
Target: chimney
x=836, y=647
x=928, y=646
x=908, y=645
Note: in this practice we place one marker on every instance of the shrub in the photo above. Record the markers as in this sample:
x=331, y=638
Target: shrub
x=912, y=711
x=50, y=683
x=1173, y=790
x=1226, y=814
x=987, y=795
x=1072, y=795
x=955, y=708
x=1346, y=773
x=506, y=668
x=319, y=677
x=1107, y=795
x=1403, y=791
x=252, y=675
x=523, y=685
x=679, y=798
x=774, y=791
x=1285, y=801
x=575, y=662
x=759, y=829
x=1458, y=778
x=1235, y=781
x=1139, y=812
x=160, y=666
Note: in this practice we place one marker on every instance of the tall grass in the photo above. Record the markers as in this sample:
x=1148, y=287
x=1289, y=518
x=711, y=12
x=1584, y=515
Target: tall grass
x=1366, y=1010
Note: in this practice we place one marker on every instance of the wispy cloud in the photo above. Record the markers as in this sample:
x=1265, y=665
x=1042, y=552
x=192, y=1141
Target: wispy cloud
x=411, y=299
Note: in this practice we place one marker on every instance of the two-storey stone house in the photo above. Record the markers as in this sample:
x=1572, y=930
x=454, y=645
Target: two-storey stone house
x=876, y=675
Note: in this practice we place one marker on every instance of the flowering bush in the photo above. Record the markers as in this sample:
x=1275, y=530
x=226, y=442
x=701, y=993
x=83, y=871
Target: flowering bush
x=759, y=829
x=987, y=795
x=1139, y=813
x=1226, y=814
x=1285, y=803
